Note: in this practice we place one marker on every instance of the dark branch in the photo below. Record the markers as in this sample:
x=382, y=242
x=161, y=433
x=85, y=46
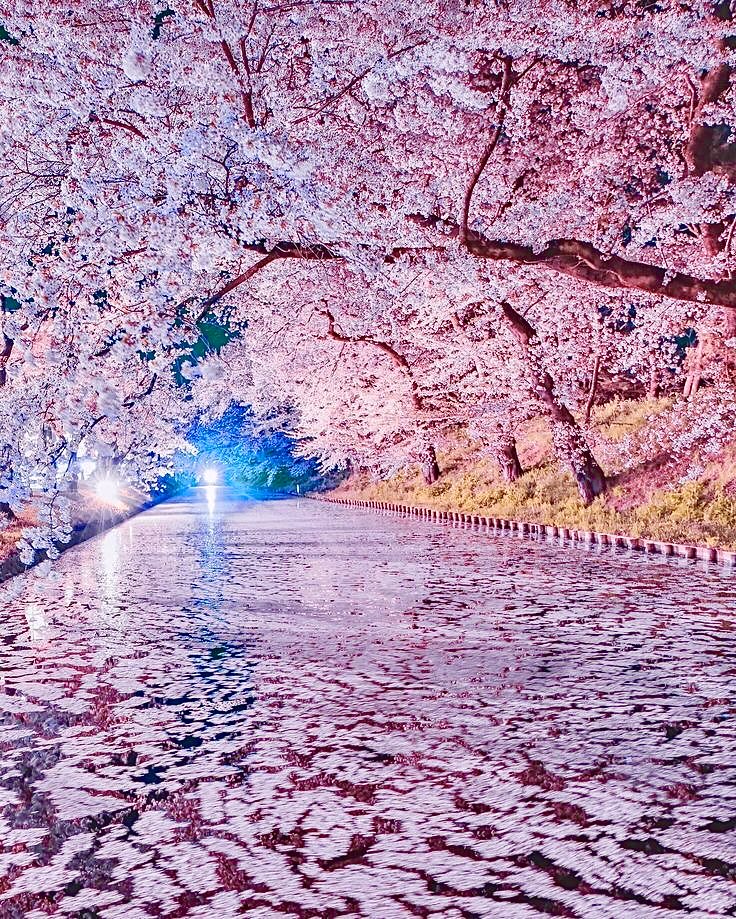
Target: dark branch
x=583, y=261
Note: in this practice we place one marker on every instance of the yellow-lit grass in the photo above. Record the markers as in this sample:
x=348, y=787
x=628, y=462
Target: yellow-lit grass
x=702, y=511
x=11, y=533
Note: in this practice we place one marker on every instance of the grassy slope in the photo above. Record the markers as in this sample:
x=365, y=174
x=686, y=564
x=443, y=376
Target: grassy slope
x=89, y=517
x=84, y=513
x=645, y=501
x=10, y=536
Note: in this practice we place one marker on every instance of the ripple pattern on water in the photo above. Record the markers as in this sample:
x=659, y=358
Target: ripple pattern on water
x=285, y=708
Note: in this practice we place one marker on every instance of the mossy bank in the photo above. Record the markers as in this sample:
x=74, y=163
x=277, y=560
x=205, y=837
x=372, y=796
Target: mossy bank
x=659, y=498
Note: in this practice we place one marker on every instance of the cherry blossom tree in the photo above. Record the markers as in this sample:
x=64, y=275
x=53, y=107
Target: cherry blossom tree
x=420, y=212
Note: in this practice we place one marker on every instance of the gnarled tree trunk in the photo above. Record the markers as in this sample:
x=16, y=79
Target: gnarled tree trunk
x=6, y=350
x=508, y=460
x=567, y=435
x=7, y=473
x=430, y=466
x=571, y=445
x=702, y=155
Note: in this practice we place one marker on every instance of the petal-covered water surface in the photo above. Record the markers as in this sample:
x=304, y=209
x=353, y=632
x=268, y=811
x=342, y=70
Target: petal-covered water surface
x=227, y=707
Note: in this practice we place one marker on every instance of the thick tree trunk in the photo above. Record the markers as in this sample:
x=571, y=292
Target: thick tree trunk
x=695, y=370
x=508, y=460
x=7, y=475
x=430, y=466
x=701, y=157
x=571, y=445
x=567, y=435
x=593, y=389
x=654, y=385
x=5, y=351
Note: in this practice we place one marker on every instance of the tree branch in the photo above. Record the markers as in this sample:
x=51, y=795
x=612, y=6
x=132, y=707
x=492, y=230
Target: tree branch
x=522, y=330
x=316, y=252
x=397, y=358
x=129, y=403
x=126, y=126
x=583, y=261
x=5, y=352
x=503, y=101
x=698, y=151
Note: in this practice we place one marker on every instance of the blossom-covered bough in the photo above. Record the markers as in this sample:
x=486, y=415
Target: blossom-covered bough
x=423, y=216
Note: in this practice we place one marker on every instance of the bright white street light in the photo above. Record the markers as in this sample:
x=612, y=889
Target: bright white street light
x=210, y=477
x=108, y=491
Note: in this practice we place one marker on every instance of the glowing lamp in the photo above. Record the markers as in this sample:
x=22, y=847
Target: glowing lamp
x=210, y=477
x=108, y=491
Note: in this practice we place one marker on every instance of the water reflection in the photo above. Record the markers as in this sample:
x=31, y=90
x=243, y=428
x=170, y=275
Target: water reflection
x=311, y=711
x=37, y=621
x=110, y=556
x=211, y=495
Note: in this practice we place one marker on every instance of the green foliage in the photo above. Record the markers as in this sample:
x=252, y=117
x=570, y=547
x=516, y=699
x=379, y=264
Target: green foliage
x=7, y=37
x=158, y=22
x=621, y=417
x=9, y=304
x=214, y=336
x=720, y=513
x=214, y=332
x=248, y=457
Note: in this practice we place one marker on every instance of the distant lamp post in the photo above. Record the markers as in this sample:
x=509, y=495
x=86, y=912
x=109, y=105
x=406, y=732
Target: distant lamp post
x=210, y=476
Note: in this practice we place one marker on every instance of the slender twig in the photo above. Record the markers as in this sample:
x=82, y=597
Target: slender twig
x=503, y=98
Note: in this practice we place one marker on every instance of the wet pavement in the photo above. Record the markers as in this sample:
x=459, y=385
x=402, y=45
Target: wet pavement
x=227, y=707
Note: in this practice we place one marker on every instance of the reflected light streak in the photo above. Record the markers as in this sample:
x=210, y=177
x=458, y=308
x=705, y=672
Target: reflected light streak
x=37, y=621
x=211, y=494
x=110, y=558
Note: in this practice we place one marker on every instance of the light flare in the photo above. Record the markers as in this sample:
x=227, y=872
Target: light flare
x=210, y=476
x=108, y=490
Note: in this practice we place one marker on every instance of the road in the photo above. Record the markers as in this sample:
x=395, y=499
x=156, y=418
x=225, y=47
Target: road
x=227, y=707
